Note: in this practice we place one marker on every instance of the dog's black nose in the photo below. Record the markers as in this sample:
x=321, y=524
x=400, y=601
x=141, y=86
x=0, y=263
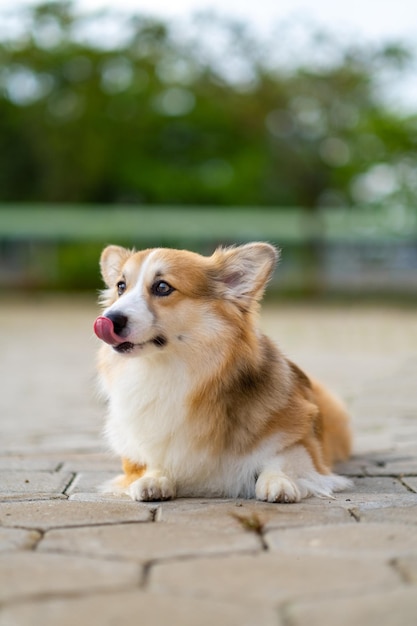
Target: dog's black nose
x=119, y=321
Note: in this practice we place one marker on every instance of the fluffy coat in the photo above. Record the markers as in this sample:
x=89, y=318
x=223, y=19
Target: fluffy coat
x=201, y=403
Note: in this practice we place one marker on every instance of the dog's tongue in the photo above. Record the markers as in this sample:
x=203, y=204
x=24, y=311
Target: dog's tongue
x=103, y=327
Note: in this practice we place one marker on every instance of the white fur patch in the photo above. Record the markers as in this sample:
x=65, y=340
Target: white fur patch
x=147, y=408
x=291, y=476
x=133, y=305
x=149, y=422
x=150, y=487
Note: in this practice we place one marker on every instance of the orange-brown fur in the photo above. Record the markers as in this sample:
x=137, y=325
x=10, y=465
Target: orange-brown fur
x=247, y=391
x=131, y=472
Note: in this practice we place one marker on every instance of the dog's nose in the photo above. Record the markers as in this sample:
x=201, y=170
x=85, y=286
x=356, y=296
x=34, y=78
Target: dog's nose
x=119, y=321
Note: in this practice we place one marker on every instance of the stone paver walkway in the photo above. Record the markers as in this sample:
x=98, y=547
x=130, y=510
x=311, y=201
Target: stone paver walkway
x=72, y=557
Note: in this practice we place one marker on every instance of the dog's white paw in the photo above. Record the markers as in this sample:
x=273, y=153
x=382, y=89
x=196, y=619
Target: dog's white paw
x=148, y=488
x=276, y=487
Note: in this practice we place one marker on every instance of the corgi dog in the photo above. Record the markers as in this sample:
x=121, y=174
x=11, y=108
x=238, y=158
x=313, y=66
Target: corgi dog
x=201, y=403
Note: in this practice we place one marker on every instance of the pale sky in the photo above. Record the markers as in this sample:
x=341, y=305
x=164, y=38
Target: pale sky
x=361, y=20
x=372, y=19
x=369, y=18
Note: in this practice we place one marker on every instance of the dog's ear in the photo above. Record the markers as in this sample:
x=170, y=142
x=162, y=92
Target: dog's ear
x=111, y=262
x=245, y=271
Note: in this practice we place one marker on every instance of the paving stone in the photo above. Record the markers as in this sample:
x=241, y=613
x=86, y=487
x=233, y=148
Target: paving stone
x=199, y=547
x=407, y=450
x=364, y=501
x=355, y=466
x=30, y=462
x=385, y=463
x=372, y=491
x=369, y=440
x=89, y=482
x=350, y=500
x=17, y=539
x=44, y=515
x=376, y=485
x=411, y=483
x=61, y=461
x=211, y=514
x=137, y=607
x=27, y=439
x=91, y=496
x=15, y=484
x=219, y=514
x=270, y=578
x=407, y=568
x=305, y=515
x=146, y=542
x=404, y=435
x=28, y=574
x=390, y=514
x=231, y=514
x=390, y=607
x=65, y=414
x=344, y=539
x=401, y=467
x=94, y=462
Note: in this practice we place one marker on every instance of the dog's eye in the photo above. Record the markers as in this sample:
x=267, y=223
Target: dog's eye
x=121, y=287
x=161, y=288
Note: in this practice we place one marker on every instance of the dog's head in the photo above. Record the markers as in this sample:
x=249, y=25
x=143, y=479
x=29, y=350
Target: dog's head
x=161, y=297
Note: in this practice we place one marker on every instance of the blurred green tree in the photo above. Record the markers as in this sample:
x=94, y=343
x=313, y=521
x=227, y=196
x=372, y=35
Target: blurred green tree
x=155, y=116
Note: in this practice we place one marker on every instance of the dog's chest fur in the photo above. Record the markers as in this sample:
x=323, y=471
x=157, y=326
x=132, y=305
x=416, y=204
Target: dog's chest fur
x=147, y=405
x=149, y=423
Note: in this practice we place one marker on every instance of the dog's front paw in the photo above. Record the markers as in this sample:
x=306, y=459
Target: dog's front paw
x=276, y=487
x=150, y=488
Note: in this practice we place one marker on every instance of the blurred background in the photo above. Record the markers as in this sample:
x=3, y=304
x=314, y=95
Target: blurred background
x=193, y=124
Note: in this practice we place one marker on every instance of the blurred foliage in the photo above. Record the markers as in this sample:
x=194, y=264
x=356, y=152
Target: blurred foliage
x=216, y=117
